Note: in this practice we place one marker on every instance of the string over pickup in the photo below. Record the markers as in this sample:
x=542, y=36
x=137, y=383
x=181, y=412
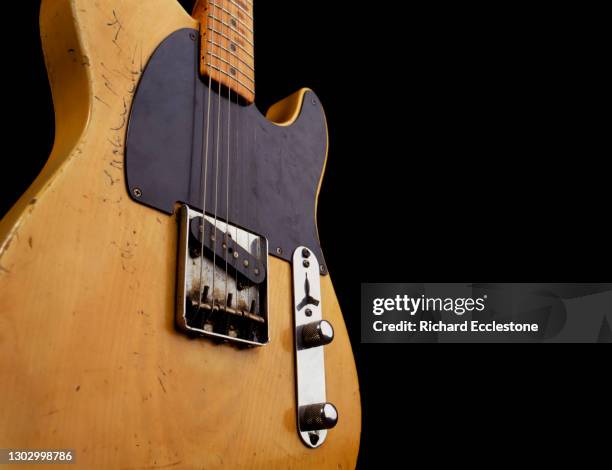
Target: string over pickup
x=227, y=250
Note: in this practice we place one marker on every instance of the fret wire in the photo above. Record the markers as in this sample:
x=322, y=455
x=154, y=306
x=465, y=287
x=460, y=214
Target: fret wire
x=231, y=14
x=230, y=64
x=229, y=39
x=232, y=53
x=233, y=17
x=234, y=30
x=233, y=78
x=240, y=8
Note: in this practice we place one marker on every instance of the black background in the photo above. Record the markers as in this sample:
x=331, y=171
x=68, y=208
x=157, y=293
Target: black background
x=466, y=143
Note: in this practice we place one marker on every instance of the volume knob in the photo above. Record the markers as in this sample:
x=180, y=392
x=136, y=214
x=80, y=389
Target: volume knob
x=318, y=333
x=318, y=416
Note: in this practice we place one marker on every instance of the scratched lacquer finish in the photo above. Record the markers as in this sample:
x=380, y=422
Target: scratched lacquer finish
x=90, y=358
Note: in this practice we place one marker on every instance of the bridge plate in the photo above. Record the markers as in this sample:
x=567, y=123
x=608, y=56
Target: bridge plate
x=214, y=297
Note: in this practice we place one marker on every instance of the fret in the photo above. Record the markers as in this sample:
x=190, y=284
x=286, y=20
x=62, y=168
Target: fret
x=227, y=44
x=224, y=36
x=218, y=69
x=240, y=59
x=219, y=7
x=233, y=66
x=227, y=14
x=232, y=28
x=234, y=55
x=237, y=4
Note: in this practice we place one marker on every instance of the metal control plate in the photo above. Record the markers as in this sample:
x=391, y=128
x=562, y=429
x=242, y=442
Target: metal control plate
x=309, y=362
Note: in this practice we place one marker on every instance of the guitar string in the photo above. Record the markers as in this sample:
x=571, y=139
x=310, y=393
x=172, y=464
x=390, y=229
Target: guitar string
x=249, y=292
x=239, y=154
x=235, y=83
x=247, y=295
x=204, y=175
x=217, y=148
x=254, y=295
x=236, y=303
x=227, y=235
x=257, y=238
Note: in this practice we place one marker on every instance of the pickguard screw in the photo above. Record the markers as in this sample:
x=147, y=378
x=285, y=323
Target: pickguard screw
x=308, y=312
x=279, y=251
x=192, y=36
x=322, y=269
x=306, y=263
x=305, y=253
x=137, y=192
x=314, y=101
x=246, y=263
x=256, y=271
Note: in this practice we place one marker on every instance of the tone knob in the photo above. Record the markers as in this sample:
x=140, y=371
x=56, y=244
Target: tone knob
x=318, y=333
x=317, y=417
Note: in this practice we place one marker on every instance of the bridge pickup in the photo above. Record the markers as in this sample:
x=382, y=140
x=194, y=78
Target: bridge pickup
x=227, y=250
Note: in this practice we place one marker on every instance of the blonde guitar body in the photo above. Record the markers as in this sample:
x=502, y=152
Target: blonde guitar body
x=90, y=357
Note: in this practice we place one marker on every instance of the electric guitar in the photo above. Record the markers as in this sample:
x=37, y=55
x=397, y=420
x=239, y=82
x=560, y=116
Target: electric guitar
x=164, y=300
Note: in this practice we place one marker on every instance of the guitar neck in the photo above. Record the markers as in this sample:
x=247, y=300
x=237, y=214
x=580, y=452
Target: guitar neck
x=227, y=44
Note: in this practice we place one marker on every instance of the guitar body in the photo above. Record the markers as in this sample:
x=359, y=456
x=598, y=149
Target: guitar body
x=90, y=357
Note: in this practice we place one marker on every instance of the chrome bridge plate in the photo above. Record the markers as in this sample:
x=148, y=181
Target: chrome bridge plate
x=214, y=297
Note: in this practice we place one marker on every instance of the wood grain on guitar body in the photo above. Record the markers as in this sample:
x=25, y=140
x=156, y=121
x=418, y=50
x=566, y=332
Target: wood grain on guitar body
x=164, y=301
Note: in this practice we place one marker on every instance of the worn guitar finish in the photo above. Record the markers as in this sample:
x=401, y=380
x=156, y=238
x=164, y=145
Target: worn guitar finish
x=90, y=357
x=274, y=170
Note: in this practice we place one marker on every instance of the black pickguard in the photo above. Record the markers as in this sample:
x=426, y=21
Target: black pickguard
x=274, y=171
